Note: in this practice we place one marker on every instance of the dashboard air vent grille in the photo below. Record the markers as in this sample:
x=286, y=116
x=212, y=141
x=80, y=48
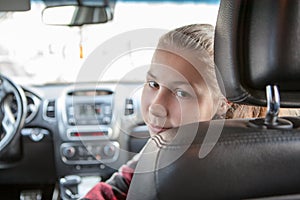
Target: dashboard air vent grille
x=50, y=109
x=129, y=108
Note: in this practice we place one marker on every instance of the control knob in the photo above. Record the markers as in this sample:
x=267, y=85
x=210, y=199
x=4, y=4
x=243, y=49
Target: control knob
x=109, y=150
x=69, y=152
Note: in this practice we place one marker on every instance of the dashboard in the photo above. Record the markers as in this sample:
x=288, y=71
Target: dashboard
x=77, y=129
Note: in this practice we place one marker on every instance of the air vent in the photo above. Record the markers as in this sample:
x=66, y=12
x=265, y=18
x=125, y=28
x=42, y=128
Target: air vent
x=33, y=103
x=50, y=109
x=129, y=110
x=97, y=92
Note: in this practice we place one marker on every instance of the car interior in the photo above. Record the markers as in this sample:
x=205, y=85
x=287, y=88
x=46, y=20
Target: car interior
x=256, y=54
x=57, y=140
x=60, y=138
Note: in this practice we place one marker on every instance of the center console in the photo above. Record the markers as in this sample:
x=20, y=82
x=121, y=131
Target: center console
x=86, y=132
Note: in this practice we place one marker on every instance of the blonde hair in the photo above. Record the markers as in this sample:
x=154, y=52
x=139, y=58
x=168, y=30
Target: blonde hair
x=247, y=111
x=195, y=37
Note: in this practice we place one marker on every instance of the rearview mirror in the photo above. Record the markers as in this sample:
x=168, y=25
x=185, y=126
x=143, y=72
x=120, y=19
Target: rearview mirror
x=76, y=15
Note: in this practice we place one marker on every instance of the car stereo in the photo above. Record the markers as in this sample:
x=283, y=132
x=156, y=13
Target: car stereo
x=89, y=107
x=89, y=113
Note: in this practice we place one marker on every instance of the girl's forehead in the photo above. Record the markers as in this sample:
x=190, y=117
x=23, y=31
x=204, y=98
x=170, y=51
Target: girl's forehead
x=170, y=66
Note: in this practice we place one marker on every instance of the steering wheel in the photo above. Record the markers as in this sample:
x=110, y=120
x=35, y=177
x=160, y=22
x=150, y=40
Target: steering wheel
x=12, y=112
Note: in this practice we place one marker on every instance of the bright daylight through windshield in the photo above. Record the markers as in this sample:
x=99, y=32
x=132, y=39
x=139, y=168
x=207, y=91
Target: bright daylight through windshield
x=34, y=53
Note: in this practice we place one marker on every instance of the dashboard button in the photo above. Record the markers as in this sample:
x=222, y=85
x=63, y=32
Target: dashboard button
x=68, y=152
x=109, y=150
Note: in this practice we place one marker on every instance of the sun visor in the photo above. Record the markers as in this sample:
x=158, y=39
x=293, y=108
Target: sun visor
x=14, y=5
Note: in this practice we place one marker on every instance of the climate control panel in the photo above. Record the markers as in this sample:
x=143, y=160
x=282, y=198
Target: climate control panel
x=89, y=152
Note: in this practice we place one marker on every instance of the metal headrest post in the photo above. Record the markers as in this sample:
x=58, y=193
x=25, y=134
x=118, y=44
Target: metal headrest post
x=273, y=105
x=272, y=121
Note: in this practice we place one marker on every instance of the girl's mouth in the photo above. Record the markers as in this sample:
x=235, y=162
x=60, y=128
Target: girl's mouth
x=157, y=129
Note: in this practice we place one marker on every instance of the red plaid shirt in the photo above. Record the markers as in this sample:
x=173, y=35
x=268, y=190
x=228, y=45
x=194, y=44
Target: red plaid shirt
x=115, y=188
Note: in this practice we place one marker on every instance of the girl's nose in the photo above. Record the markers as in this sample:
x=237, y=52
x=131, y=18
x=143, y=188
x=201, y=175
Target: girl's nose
x=158, y=110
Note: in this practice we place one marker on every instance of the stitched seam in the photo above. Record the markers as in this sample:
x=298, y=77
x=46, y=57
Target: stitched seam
x=242, y=140
x=251, y=140
x=159, y=141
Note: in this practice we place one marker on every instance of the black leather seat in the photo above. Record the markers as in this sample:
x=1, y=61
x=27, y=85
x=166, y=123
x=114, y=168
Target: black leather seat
x=257, y=46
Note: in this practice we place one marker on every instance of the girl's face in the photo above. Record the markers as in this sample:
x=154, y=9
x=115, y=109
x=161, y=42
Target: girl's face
x=174, y=94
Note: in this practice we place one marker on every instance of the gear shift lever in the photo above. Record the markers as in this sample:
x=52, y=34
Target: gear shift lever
x=69, y=187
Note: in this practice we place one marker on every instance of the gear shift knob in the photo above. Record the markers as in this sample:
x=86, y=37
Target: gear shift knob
x=69, y=186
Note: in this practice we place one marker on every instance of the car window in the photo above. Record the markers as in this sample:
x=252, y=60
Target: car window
x=34, y=53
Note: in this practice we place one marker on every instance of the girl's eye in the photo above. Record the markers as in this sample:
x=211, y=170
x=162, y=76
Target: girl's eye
x=153, y=84
x=182, y=94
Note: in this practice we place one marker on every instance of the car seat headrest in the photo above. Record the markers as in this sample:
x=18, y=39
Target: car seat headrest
x=257, y=44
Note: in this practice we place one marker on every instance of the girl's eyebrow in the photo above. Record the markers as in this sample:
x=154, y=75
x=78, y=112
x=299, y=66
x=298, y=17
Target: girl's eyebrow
x=181, y=83
x=150, y=74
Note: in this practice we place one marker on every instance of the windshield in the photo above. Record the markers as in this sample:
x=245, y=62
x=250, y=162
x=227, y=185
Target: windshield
x=34, y=53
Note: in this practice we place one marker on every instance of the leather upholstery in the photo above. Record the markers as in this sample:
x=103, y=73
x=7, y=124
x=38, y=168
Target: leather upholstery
x=257, y=44
x=244, y=163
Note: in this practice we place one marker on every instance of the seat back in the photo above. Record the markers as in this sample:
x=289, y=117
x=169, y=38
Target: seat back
x=257, y=54
x=243, y=163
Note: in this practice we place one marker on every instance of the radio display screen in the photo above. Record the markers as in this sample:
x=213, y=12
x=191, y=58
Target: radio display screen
x=87, y=111
x=89, y=114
